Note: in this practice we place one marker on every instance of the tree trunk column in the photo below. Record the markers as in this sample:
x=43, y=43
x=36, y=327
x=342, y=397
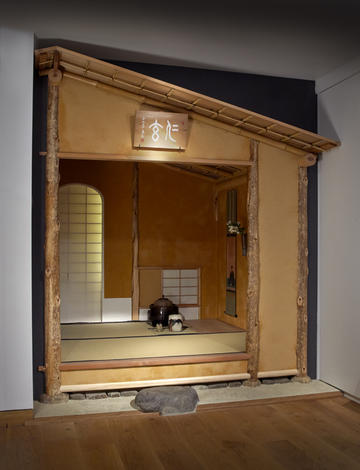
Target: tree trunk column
x=253, y=291
x=135, y=244
x=303, y=272
x=52, y=270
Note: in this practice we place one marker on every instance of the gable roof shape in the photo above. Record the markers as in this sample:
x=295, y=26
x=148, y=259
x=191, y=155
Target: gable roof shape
x=240, y=119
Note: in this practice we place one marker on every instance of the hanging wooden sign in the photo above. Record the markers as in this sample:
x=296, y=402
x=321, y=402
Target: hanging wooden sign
x=160, y=130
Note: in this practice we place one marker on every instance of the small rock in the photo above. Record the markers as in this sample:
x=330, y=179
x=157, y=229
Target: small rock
x=77, y=396
x=113, y=394
x=128, y=393
x=218, y=385
x=167, y=400
x=275, y=380
x=236, y=383
x=96, y=395
x=200, y=387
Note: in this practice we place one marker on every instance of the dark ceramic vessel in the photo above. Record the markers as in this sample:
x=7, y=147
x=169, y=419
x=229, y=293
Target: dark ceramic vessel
x=160, y=310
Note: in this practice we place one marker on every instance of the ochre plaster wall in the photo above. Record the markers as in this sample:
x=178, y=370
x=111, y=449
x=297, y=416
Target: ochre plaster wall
x=278, y=235
x=101, y=120
x=177, y=227
x=176, y=223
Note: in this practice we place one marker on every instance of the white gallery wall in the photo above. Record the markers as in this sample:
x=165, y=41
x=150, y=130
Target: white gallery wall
x=16, y=90
x=339, y=230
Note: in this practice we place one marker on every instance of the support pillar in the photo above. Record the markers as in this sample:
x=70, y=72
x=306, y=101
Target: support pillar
x=303, y=270
x=253, y=291
x=52, y=270
x=135, y=244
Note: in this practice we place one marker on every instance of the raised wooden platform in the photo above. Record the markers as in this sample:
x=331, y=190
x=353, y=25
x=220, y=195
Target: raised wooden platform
x=136, y=343
x=117, y=355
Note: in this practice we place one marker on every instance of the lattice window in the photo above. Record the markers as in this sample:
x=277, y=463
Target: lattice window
x=81, y=253
x=181, y=286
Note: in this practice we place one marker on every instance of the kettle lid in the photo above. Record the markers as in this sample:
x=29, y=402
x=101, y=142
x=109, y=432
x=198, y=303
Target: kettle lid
x=162, y=302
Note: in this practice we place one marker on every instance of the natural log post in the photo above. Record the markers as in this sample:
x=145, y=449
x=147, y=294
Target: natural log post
x=303, y=271
x=307, y=160
x=253, y=291
x=135, y=244
x=52, y=271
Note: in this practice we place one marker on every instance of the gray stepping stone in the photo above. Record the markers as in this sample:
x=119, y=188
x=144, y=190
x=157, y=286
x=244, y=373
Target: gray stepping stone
x=279, y=380
x=236, y=383
x=200, y=387
x=218, y=385
x=77, y=396
x=96, y=395
x=171, y=400
x=113, y=394
x=128, y=393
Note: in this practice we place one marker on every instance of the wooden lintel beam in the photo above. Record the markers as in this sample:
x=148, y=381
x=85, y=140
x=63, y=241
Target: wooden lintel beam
x=149, y=157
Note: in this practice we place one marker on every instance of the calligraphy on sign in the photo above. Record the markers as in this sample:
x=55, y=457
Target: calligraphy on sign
x=160, y=130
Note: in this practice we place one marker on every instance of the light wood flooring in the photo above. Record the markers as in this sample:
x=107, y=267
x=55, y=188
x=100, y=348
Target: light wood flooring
x=305, y=434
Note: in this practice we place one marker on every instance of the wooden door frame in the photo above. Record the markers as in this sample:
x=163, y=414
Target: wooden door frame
x=52, y=291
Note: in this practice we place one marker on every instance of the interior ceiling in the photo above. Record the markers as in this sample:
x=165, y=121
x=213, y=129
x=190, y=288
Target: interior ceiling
x=211, y=173
x=299, y=39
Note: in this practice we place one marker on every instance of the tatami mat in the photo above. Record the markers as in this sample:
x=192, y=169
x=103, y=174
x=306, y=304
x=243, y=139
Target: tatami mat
x=115, y=330
x=158, y=346
x=139, y=328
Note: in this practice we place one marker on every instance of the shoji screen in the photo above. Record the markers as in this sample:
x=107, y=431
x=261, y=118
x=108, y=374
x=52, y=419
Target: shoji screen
x=81, y=253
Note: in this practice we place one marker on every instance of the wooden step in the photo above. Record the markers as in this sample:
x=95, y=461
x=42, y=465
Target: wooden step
x=154, y=361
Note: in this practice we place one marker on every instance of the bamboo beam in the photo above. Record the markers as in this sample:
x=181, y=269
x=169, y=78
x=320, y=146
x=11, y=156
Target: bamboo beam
x=135, y=244
x=302, y=314
x=253, y=291
x=52, y=270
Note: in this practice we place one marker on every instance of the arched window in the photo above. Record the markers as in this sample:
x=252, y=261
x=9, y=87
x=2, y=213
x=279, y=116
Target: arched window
x=81, y=253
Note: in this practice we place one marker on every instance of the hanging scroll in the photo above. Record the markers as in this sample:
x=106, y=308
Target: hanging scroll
x=231, y=203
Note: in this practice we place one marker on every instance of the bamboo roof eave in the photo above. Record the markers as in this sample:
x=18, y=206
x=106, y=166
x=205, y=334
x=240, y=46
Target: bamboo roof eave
x=239, y=119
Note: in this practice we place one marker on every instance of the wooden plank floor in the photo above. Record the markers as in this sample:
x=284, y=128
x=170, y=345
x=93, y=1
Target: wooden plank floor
x=306, y=434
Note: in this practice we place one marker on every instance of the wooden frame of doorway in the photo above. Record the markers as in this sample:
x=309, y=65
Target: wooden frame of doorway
x=52, y=294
